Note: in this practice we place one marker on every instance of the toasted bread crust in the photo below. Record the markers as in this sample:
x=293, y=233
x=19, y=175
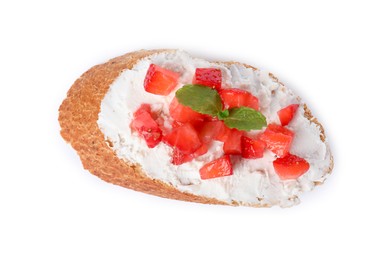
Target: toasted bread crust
x=78, y=116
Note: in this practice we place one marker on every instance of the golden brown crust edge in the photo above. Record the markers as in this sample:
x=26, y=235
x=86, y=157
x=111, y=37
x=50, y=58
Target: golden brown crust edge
x=78, y=115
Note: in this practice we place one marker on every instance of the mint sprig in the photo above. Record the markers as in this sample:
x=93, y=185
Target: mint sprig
x=223, y=114
x=207, y=101
x=202, y=99
x=245, y=118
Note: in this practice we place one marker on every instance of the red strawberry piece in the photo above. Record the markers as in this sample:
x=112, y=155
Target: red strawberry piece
x=183, y=114
x=184, y=138
x=208, y=77
x=143, y=107
x=214, y=130
x=232, y=144
x=176, y=124
x=217, y=168
x=223, y=134
x=233, y=97
x=278, y=139
x=252, y=148
x=160, y=81
x=146, y=126
x=287, y=114
x=180, y=158
x=290, y=167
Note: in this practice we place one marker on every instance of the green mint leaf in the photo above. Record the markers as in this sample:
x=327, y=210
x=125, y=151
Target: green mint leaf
x=245, y=118
x=202, y=99
x=223, y=114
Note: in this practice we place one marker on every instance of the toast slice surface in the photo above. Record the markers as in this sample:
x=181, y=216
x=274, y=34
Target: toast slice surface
x=78, y=117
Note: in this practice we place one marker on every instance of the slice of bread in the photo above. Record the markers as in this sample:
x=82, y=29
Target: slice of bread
x=79, y=115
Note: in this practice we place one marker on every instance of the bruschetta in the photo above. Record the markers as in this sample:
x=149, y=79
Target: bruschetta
x=168, y=124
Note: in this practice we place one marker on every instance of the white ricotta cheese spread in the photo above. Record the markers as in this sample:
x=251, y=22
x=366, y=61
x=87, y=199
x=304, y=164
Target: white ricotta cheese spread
x=254, y=181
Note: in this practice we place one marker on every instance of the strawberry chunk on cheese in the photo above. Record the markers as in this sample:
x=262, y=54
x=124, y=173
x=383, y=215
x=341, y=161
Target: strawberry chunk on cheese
x=183, y=114
x=278, y=139
x=184, y=138
x=214, y=130
x=232, y=144
x=160, y=81
x=180, y=158
x=209, y=77
x=290, y=167
x=217, y=168
x=252, y=148
x=234, y=97
x=286, y=114
x=146, y=126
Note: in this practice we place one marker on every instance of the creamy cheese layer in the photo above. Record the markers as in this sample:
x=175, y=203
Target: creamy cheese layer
x=254, y=181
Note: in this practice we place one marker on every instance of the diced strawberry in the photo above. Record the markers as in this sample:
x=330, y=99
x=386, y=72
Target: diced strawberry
x=278, y=139
x=233, y=97
x=223, y=134
x=143, y=107
x=183, y=114
x=290, y=167
x=146, y=126
x=252, y=148
x=217, y=168
x=180, y=158
x=160, y=81
x=286, y=114
x=280, y=129
x=214, y=130
x=208, y=77
x=201, y=150
x=176, y=124
x=232, y=144
x=184, y=138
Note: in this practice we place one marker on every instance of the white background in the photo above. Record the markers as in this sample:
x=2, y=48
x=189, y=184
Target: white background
x=335, y=54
